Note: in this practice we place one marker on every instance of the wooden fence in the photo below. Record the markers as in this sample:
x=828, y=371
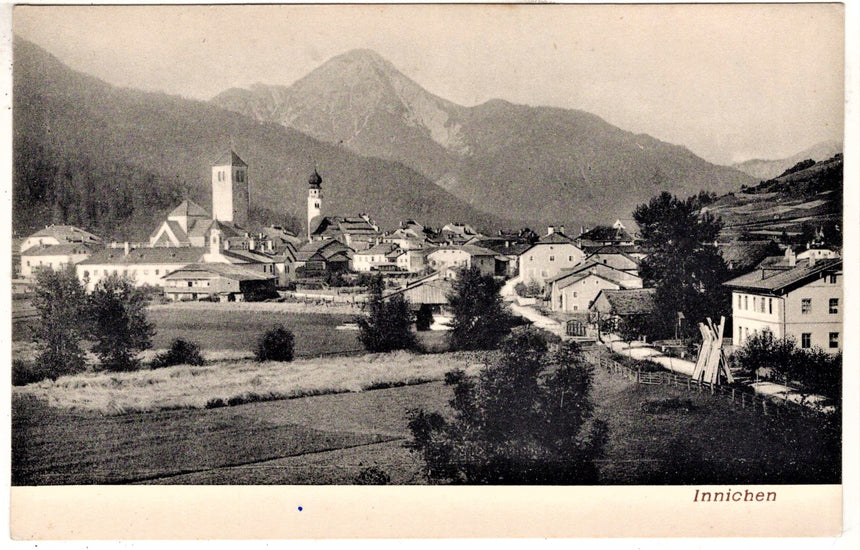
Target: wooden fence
x=766, y=405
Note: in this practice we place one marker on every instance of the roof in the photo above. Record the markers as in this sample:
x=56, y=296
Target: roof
x=589, y=265
x=556, y=237
x=777, y=281
x=585, y=275
x=612, y=250
x=605, y=233
x=326, y=248
x=639, y=301
x=65, y=249
x=745, y=254
x=67, y=233
x=433, y=290
x=246, y=256
x=230, y=158
x=188, y=209
x=199, y=270
x=382, y=248
x=156, y=255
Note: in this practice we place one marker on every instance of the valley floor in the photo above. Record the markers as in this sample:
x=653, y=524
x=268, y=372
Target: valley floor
x=330, y=439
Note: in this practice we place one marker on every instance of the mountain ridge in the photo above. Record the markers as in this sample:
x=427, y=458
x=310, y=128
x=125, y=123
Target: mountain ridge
x=498, y=156
x=765, y=169
x=169, y=142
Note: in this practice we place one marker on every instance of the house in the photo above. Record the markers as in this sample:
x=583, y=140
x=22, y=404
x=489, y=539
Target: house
x=412, y=260
x=428, y=295
x=613, y=306
x=547, y=257
x=54, y=257
x=409, y=235
x=59, y=234
x=615, y=257
x=321, y=258
x=381, y=256
x=790, y=297
x=573, y=291
x=605, y=235
x=358, y=233
x=457, y=233
x=507, y=253
x=742, y=256
x=144, y=266
x=148, y=265
x=226, y=282
x=464, y=256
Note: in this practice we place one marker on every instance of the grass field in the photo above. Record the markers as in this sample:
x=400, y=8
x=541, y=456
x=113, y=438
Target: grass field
x=232, y=329
x=331, y=438
x=236, y=382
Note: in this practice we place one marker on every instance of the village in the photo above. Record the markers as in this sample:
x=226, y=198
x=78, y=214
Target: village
x=581, y=283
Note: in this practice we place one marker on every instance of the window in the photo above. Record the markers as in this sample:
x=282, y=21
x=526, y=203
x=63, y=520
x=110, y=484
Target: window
x=240, y=176
x=577, y=307
x=28, y=263
x=570, y=258
x=770, y=305
x=552, y=258
x=834, y=305
x=531, y=258
x=190, y=283
x=755, y=303
x=834, y=339
x=746, y=302
x=156, y=271
x=806, y=340
x=806, y=305
x=832, y=279
x=762, y=305
x=740, y=302
x=574, y=294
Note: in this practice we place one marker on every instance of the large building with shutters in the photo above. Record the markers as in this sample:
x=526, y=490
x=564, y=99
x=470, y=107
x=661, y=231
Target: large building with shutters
x=798, y=298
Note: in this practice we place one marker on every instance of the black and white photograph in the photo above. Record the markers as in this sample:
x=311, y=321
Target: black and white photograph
x=412, y=245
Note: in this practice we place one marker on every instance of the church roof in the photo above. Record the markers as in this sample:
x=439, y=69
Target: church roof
x=230, y=158
x=188, y=208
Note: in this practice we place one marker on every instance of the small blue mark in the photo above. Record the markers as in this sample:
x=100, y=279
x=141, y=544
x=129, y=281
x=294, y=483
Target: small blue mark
x=300, y=508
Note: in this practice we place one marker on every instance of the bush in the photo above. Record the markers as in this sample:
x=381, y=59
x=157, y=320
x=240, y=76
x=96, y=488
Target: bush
x=386, y=324
x=181, y=352
x=372, y=475
x=532, y=290
x=275, y=345
x=780, y=359
x=527, y=419
x=29, y=372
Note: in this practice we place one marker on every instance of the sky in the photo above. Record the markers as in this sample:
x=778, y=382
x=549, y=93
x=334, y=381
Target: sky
x=729, y=82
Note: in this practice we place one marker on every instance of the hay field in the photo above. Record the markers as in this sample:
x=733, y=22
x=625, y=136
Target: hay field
x=236, y=382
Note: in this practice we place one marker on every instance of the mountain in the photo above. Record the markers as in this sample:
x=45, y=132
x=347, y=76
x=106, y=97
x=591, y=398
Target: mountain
x=767, y=169
x=114, y=159
x=535, y=163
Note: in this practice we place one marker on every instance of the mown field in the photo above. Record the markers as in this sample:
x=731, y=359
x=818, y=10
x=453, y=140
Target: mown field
x=331, y=438
x=236, y=329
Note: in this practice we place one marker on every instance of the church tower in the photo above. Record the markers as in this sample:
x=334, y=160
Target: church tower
x=231, y=191
x=314, y=199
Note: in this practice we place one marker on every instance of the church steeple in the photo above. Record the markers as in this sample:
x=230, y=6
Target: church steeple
x=231, y=190
x=314, y=199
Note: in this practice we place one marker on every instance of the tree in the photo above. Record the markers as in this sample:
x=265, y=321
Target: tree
x=526, y=419
x=60, y=300
x=181, y=352
x=118, y=323
x=480, y=318
x=386, y=324
x=683, y=265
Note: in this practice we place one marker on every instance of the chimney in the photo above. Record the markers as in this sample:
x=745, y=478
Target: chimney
x=126, y=247
x=790, y=257
x=811, y=260
x=561, y=229
x=252, y=244
x=550, y=230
